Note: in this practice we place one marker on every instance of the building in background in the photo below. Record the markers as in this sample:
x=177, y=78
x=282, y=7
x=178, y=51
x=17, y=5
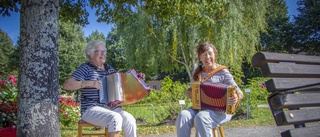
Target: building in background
x=155, y=84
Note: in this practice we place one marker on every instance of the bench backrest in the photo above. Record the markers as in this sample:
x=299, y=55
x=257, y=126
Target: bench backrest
x=295, y=88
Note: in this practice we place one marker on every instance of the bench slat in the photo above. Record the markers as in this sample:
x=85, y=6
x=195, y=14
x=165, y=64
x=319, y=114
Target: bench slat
x=292, y=101
x=281, y=84
x=262, y=58
x=296, y=116
x=295, y=87
x=289, y=70
x=302, y=132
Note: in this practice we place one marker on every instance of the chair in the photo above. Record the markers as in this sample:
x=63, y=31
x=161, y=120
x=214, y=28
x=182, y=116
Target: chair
x=82, y=124
x=215, y=132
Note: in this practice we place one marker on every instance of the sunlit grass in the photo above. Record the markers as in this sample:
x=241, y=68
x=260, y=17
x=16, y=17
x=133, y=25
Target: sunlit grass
x=259, y=117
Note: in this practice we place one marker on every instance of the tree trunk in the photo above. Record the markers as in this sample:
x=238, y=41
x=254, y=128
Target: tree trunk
x=38, y=112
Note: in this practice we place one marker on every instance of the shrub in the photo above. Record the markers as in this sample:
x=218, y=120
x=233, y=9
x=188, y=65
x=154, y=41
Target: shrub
x=167, y=98
x=257, y=95
x=69, y=111
x=8, y=102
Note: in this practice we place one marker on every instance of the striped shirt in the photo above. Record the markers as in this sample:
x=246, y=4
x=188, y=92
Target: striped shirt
x=87, y=71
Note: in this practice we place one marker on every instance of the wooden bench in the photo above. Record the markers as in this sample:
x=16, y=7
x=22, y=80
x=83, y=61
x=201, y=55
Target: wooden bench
x=294, y=83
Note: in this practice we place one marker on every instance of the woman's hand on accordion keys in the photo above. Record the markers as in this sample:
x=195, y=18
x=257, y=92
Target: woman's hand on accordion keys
x=233, y=100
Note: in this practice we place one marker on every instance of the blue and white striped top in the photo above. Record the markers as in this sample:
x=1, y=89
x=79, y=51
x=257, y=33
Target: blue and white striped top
x=87, y=71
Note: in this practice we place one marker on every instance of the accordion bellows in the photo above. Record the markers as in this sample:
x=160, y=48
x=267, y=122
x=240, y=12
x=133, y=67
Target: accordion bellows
x=213, y=97
x=123, y=88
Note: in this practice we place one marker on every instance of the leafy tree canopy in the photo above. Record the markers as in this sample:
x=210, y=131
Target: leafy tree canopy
x=6, y=49
x=307, y=27
x=71, y=49
x=164, y=34
x=96, y=35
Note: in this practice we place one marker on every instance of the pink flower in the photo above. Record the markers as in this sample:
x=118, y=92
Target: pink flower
x=262, y=85
x=66, y=115
x=3, y=82
x=12, y=79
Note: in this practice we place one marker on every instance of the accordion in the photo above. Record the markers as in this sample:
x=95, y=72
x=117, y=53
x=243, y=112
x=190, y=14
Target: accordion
x=123, y=88
x=213, y=97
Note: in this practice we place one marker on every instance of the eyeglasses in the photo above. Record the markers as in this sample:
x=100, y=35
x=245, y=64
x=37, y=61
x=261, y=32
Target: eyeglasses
x=210, y=53
x=101, y=51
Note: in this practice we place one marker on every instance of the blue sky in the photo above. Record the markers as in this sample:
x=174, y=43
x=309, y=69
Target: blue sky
x=10, y=25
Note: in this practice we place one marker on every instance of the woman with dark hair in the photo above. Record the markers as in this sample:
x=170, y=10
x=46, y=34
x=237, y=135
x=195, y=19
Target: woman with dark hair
x=205, y=120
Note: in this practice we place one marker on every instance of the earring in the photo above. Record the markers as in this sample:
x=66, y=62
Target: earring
x=200, y=63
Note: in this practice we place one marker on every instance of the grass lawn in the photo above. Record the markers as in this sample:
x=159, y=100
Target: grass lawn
x=259, y=117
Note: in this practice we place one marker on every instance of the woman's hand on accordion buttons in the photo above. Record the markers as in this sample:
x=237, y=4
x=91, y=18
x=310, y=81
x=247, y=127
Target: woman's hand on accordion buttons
x=233, y=100
x=189, y=93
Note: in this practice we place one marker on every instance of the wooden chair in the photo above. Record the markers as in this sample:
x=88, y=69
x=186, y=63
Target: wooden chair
x=82, y=124
x=215, y=132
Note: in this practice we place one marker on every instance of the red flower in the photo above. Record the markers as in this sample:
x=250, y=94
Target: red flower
x=12, y=79
x=3, y=82
x=66, y=115
x=262, y=85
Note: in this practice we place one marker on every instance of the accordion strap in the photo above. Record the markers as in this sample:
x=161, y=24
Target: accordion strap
x=211, y=73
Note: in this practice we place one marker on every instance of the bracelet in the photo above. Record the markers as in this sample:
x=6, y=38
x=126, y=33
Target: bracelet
x=81, y=84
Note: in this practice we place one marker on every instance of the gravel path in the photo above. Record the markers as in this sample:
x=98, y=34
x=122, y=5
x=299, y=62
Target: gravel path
x=257, y=131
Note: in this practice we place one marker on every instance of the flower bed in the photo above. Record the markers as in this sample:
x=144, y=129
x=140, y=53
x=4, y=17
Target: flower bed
x=69, y=111
x=8, y=107
x=69, y=108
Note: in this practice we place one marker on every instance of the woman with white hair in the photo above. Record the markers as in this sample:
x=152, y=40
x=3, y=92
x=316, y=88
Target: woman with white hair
x=86, y=78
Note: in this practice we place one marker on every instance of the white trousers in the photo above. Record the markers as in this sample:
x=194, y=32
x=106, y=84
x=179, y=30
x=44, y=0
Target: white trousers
x=114, y=120
x=203, y=121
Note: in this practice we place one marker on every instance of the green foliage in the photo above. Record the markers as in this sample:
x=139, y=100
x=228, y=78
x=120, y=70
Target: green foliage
x=8, y=102
x=307, y=28
x=162, y=35
x=14, y=59
x=276, y=37
x=96, y=35
x=74, y=11
x=258, y=92
x=69, y=111
x=6, y=50
x=116, y=54
x=7, y=6
x=170, y=92
x=249, y=72
x=71, y=49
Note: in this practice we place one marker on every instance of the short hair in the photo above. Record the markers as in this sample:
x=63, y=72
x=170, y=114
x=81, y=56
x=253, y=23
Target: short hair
x=91, y=47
